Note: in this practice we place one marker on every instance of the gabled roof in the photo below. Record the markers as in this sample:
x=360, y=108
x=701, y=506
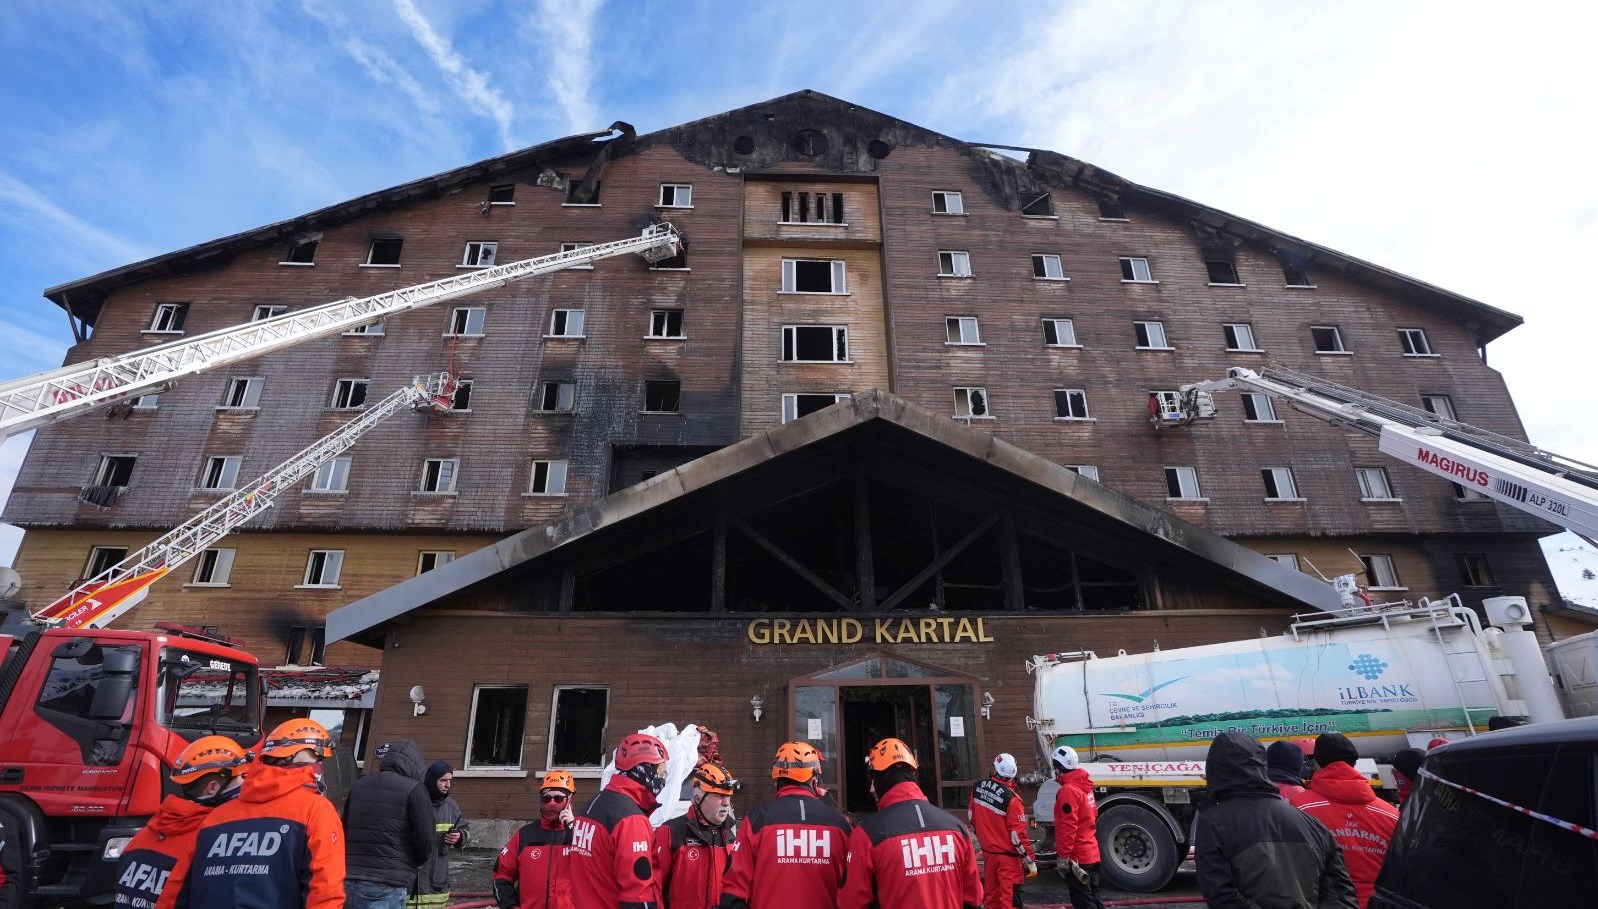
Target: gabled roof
x=981, y=450
x=772, y=125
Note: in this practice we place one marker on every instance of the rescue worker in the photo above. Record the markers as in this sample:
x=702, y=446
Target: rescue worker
x=155, y=862
x=709, y=750
x=451, y=832
x=999, y=819
x=909, y=855
x=1341, y=799
x=612, y=840
x=532, y=871
x=1284, y=763
x=791, y=852
x=692, y=851
x=1406, y=770
x=1076, y=829
x=280, y=844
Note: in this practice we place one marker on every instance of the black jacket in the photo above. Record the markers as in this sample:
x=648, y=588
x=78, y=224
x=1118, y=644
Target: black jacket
x=1253, y=849
x=388, y=820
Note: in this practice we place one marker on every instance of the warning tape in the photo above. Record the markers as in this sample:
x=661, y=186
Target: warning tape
x=1564, y=825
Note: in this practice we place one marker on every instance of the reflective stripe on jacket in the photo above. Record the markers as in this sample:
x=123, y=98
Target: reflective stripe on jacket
x=533, y=871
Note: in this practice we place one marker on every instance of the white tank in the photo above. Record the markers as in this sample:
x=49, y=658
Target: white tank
x=1575, y=664
x=1385, y=680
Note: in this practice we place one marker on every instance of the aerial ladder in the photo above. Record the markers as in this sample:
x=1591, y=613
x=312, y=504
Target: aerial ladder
x=59, y=394
x=1556, y=488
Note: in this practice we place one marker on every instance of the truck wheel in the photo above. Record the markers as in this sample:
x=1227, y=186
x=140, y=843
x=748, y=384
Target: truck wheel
x=1136, y=849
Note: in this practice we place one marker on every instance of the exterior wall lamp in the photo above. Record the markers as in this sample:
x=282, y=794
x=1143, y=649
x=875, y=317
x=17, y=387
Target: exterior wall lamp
x=418, y=695
x=987, y=705
x=757, y=706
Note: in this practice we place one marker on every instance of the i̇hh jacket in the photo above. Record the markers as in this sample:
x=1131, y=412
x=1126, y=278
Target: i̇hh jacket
x=532, y=869
x=156, y=860
x=610, y=856
x=911, y=855
x=791, y=853
x=691, y=859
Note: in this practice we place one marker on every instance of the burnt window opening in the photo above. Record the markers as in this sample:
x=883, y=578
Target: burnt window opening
x=578, y=738
x=812, y=208
x=743, y=145
x=813, y=276
x=307, y=646
x=1041, y=207
x=677, y=262
x=169, y=317
x=1327, y=339
x=548, y=478
x=103, y=559
x=878, y=149
x=1296, y=276
x=385, y=251
x=1111, y=210
x=662, y=397
x=795, y=406
x=462, y=398
x=557, y=397
x=575, y=196
x=301, y=252
x=115, y=470
x=811, y=142
x=502, y=194
x=349, y=394
x=815, y=343
x=665, y=323
x=494, y=736
x=1222, y=271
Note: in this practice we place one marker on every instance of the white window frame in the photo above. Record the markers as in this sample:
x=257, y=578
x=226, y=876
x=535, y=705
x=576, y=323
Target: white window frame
x=494, y=186
x=953, y=202
x=790, y=341
x=1070, y=331
x=147, y=402
x=101, y=473
x=1286, y=487
x=663, y=317
x=1337, y=336
x=213, y=568
x=554, y=713
x=1374, y=485
x=444, y=479
x=480, y=254
x=1148, y=328
x=1238, y=332
x=572, y=246
x=167, y=314
x=369, y=330
x=344, y=389
x=1073, y=395
x=1463, y=493
x=1087, y=470
x=226, y=468
x=479, y=314
x=964, y=403
x=1056, y=273
x=1414, y=342
x=462, y=385
x=471, y=732
x=1237, y=275
x=567, y=323
x=561, y=384
x=1187, y=485
x=790, y=402
x=249, y=397
x=441, y=557
x=954, y=263
x=955, y=327
x=1441, y=406
x=839, y=277
x=1262, y=404
x=264, y=311
x=557, y=473
x=1381, y=571
x=371, y=248
x=333, y=557
x=1137, y=264
x=94, y=557
x=1301, y=269
x=682, y=195
x=333, y=471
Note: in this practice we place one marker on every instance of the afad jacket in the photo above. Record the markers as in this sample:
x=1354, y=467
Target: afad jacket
x=791, y=853
x=1076, y=818
x=911, y=855
x=279, y=845
x=612, y=842
x=1362, y=824
x=155, y=862
x=691, y=860
x=999, y=818
x=532, y=872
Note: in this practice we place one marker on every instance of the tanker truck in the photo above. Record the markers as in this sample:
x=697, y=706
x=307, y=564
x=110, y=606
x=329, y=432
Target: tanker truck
x=1389, y=677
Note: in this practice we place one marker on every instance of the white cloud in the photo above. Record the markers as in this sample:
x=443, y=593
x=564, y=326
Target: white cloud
x=93, y=246
x=567, y=30
x=469, y=84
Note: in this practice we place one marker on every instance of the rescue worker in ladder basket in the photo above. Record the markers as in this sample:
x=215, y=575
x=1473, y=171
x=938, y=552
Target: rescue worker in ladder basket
x=612, y=840
x=910, y=854
x=155, y=862
x=532, y=871
x=792, y=851
x=1000, y=822
x=692, y=852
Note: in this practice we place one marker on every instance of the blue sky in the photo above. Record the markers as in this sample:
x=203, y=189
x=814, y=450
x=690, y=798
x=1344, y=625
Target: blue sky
x=1444, y=144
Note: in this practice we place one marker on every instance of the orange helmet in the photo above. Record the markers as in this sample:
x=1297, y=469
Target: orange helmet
x=889, y=752
x=293, y=736
x=559, y=779
x=210, y=754
x=712, y=777
x=796, y=761
x=639, y=749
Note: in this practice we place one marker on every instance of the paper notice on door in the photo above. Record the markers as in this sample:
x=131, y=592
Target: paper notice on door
x=815, y=729
x=956, y=727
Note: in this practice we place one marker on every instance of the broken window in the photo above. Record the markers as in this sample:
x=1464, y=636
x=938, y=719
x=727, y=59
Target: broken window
x=462, y=398
x=384, y=252
x=1373, y=484
x=566, y=323
x=103, y=559
x=1380, y=572
x=221, y=472
x=147, y=402
x=678, y=262
x=954, y=263
x=1474, y=570
x=214, y=568
x=1440, y=405
x=1151, y=335
x=1466, y=494
x=1414, y=343
x=662, y=397
x=574, y=193
x=242, y=394
x=169, y=317
x=114, y=470
x=494, y=736
x=466, y=321
x=971, y=403
x=323, y=566
x=480, y=255
x=370, y=328
x=577, y=736
x=557, y=396
x=572, y=246
x=1327, y=339
x=815, y=343
x=1086, y=470
x=1111, y=210
x=1048, y=268
x=1222, y=271
x=947, y=202
x=548, y=478
x=813, y=276
x=962, y=330
x=799, y=405
x=676, y=195
x=262, y=313
x=1296, y=276
x=665, y=323
x=1181, y=483
x=1071, y=404
x=438, y=474
x=349, y=394
x=1279, y=483
x=1136, y=269
x=333, y=476
x=1040, y=207
x=1059, y=333
x=301, y=252
x=502, y=194
x=812, y=208
x=1258, y=408
x=1239, y=336
x=429, y=559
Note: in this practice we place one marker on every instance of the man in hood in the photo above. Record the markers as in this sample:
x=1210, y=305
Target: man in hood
x=450, y=832
x=1284, y=764
x=388, y=819
x=1341, y=798
x=1253, y=849
x=155, y=862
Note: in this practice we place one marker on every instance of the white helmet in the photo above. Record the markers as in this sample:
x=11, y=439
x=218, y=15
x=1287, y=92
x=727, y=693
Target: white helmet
x=1065, y=758
x=1004, y=765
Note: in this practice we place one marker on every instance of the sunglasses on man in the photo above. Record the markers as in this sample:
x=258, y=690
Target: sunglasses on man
x=553, y=798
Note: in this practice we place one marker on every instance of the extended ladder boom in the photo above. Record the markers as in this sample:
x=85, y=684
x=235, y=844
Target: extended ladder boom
x=99, y=600
x=62, y=393
x=1507, y=470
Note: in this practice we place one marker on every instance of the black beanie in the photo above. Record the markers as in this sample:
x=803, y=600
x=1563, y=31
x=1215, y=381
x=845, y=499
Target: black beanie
x=1332, y=747
x=1408, y=762
x=883, y=780
x=1284, y=762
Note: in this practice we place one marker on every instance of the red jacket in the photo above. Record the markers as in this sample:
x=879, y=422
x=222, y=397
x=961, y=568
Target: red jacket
x=610, y=849
x=1000, y=818
x=691, y=860
x=532, y=869
x=1341, y=799
x=1076, y=818
x=156, y=860
x=910, y=855
x=790, y=853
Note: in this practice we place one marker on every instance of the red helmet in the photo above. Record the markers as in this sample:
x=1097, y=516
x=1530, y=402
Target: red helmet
x=638, y=749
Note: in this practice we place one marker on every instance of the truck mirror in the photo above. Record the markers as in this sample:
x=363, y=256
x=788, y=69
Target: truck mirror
x=111, y=696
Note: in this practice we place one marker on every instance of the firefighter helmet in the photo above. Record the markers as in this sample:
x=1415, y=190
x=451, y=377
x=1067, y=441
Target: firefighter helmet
x=1065, y=758
x=209, y=754
x=293, y=736
x=889, y=752
x=1004, y=766
x=796, y=761
x=712, y=777
x=559, y=779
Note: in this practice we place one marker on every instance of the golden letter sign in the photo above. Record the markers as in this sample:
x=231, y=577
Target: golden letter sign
x=940, y=630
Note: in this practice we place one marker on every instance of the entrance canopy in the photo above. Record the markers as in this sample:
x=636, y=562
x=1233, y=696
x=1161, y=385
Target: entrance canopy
x=868, y=508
